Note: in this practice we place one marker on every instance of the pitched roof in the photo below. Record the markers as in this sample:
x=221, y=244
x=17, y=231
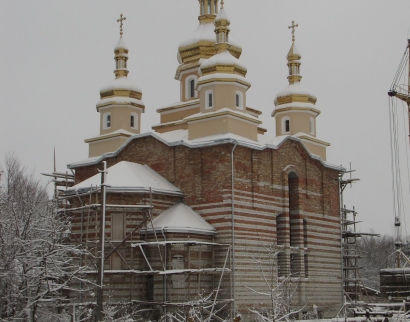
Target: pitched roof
x=181, y=219
x=129, y=177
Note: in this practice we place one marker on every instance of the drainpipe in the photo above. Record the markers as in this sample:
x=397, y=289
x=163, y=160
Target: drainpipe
x=341, y=234
x=164, y=281
x=100, y=294
x=81, y=241
x=233, y=223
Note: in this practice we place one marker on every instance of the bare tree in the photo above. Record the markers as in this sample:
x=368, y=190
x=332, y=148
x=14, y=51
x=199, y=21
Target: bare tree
x=278, y=291
x=36, y=266
x=377, y=253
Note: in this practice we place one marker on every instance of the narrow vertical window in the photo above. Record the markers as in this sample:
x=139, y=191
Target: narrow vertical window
x=134, y=123
x=239, y=100
x=209, y=6
x=190, y=83
x=312, y=125
x=210, y=100
x=108, y=123
x=192, y=88
x=203, y=7
x=285, y=122
x=215, y=7
x=306, y=259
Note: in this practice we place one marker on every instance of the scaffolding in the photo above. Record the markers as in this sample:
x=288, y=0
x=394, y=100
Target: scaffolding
x=353, y=285
x=139, y=264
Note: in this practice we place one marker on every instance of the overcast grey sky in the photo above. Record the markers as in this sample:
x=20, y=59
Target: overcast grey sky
x=56, y=55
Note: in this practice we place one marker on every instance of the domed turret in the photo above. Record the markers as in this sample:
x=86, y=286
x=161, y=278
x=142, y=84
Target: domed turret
x=201, y=45
x=222, y=90
x=295, y=109
x=120, y=105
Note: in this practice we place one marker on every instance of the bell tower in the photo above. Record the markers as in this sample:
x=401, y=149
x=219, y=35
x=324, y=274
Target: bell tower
x=120, y=105
x=295, y=111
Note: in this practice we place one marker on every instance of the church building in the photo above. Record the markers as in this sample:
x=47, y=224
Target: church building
x=207, y=206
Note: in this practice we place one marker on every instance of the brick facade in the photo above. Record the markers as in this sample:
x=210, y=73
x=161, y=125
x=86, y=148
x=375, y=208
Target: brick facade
x=284, y=200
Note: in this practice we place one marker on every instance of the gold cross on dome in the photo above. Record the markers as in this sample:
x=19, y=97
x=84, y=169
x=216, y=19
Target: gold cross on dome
x=293, y=26
x=120, y=21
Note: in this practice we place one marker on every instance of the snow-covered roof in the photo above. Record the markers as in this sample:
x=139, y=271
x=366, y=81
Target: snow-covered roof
x=293, y=51
x=294, y=89
x=222, y=15
x=297, y=104
x=223, y=58
x=233, y=77
x=204, y=31
x=119, y=100
x=180, y=137
x=181, y=219
x=114, y=133
x=400, y=270
x=121, y=83
x=224, y=110
x=179, y=104
x=129, y=177
x=121, y=44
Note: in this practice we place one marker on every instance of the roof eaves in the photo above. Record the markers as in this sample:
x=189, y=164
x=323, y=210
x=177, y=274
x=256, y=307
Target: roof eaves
x=255, y=146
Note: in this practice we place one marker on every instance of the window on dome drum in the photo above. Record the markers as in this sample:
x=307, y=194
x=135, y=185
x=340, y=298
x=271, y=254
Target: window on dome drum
x=285, y=124
x=192, y=88
x=209, y=99
x=134, y=121
x=239, y=99
x=215, y=7
x=312, y=125
x=209, y=6
x=106, y=120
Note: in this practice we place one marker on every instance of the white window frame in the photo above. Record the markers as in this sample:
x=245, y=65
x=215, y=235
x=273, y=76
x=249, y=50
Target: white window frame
x=136, y=121
x=209, y=91
x=188, y=88
x=105, y=120
x=312, y=125
x=283, y=121
x=240, y=95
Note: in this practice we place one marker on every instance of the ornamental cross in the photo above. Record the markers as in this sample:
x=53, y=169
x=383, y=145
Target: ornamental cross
x=120, y=21
x=293, y=26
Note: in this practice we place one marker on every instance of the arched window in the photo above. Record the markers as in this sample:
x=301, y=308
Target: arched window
x=190, y=84
x=107, y=120
x=134, y=121
x=295, y=223
x=239, y=99
x=209, y=99
x=312, y=125
x=285, y=125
